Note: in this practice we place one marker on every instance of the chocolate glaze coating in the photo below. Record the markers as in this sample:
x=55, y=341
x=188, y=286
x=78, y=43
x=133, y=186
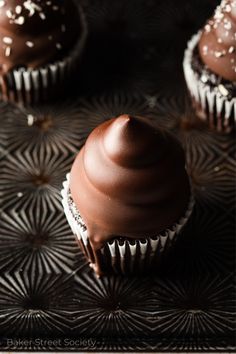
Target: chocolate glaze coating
x=216, y=83
x=36, y=32
x=217, y=45
x=129, y=180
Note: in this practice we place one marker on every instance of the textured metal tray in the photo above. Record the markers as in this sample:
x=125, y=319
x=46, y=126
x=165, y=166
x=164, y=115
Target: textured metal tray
x=49, y=297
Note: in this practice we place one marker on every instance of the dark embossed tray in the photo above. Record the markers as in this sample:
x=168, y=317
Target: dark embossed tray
x=49, y=297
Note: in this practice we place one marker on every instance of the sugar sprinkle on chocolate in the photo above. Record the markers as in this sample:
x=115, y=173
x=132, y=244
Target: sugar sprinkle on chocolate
x=7, y=40
x=8, y=51
x=29, y=44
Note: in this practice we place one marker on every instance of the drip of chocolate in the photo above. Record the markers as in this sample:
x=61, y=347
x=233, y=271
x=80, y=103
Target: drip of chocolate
x=36, y=32
x=217, y=45
x=129, y=180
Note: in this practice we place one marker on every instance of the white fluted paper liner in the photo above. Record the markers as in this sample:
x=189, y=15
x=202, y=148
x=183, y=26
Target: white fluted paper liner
x=122, y=256
x=219, y=111
x=28, y=86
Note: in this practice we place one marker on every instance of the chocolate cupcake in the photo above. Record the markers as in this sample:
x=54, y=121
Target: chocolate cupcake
x=40, y=43
x=128, y=195
x=210, y=68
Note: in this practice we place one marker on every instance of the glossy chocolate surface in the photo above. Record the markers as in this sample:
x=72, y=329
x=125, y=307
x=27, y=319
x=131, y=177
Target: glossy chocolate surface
x=34, y=33
x=216, y=83
x=129, y=180
x=217, y=45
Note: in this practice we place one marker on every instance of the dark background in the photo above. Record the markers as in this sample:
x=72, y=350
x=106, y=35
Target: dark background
x=132, y=64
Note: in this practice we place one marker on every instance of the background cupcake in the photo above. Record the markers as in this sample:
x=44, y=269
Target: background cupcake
x=128, y=195
x=210, y=68
x=40, y=42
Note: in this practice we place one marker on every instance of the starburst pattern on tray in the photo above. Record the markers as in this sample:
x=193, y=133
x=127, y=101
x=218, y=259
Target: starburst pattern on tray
x=202, y=307
x=160, y=344
x=207, y=243
x=105, y=107
x=112, y=306
x=33, y=177
x=178, y=115
x=229, y=148
x=35, y=304
x=37, y=240
x=191, y=306
x=208, y=171
x=171, y=112
x=61, y=128
x=3, y=138
x=209, y=156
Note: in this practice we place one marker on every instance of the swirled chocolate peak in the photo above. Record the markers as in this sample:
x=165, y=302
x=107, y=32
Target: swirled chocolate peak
x=129, y=180
x=35, y=32
x=217, y=45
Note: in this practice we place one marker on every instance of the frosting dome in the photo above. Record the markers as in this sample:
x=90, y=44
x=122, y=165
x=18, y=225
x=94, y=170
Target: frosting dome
x=217, y=45
x=34, y=32
x=129, y=180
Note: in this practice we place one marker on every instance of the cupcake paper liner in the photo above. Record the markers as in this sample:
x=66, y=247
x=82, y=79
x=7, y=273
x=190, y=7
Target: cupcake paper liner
x=122, y=256
x=211, y=106
x=32, y=86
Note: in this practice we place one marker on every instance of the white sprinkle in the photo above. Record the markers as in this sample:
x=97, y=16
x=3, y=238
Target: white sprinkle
x=9, y=13
x=55, y=8
x=50, y=38
x=58, y=45
x=218, y=14
x=7, y=40
x=217, y=168
x=18, y=9
x=8, y=51
x=227, y=8
x=20, y=194
x=228, y=25
x=208, y=28
x=29, y=44
x=42, y=16
x=223, y=90
x=31, y=7
x=30, y=119
x=63, y=28
x=219, y=40
x=48, y=3
x=231, y=50
x=232, y=60
x=205, y=49
x=20, y=20
x=2, y=3
x=218, y=54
